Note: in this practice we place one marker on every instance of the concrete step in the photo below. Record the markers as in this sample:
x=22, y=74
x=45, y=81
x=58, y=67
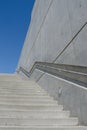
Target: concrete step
x=18, y=86
x=40, y=122
x=6, y=85
x=32, y=110
x=30, y=103
x=22, y=92
x=9, y=77
x=24, y=88
x=30, y=107
x=21, y=88
x=20, y=83
x=27, y=102
x=29, y=114
x=15, y=86
x=25, y=97
x=43, y=128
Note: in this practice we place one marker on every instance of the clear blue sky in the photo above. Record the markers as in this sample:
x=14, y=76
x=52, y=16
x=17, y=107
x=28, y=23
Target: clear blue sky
x=15, y=17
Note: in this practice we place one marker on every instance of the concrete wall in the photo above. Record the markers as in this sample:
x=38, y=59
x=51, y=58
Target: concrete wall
x=73, y=97
x=53, y=25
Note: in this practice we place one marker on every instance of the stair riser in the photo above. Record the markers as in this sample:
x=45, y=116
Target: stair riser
x=27, y=97
x=20, y=88
x=44, y=128
x=22, y=107
x=28, y=102
x=13, y=84
x=33, y=114
x=24, y=96
x=40, y=122
x=22, y=93
x=8, y=77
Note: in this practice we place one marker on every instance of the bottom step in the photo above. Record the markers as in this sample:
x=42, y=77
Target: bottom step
x=38, y=122
x=44, y=128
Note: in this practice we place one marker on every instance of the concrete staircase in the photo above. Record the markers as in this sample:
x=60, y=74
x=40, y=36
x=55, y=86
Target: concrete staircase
x=25, y=106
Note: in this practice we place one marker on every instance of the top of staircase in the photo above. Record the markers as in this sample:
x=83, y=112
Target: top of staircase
x=9, y=77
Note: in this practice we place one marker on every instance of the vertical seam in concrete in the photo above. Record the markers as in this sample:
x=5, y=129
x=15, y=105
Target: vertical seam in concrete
x=40, y=28
x=68, y=15
x=70, y=28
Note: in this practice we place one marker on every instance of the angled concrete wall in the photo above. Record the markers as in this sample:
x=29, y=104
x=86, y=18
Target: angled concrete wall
x=53, y=25
x=58, y=34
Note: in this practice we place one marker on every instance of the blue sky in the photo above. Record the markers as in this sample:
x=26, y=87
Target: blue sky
x=15, y=18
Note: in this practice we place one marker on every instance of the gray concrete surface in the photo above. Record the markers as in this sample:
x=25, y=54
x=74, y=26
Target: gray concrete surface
x=76, y=53
x=38, y=111
x=72, y=96
x=36, y=75
x=54, y=23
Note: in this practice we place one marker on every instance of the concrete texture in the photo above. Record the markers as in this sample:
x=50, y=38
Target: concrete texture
x=25, y=105
x=72, y=96
x=36, y=75
x=76, y=53
x=54, y=23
